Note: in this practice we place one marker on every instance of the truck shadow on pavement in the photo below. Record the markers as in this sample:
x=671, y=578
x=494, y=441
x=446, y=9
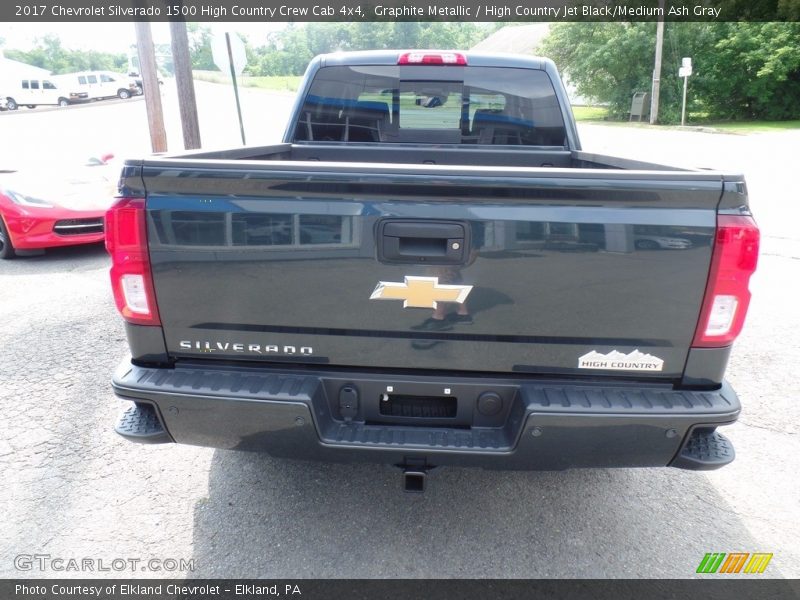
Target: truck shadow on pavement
x=267, y=517
x=58, y=260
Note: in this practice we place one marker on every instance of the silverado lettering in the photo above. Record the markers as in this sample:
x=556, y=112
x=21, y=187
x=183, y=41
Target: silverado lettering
x=240, y=347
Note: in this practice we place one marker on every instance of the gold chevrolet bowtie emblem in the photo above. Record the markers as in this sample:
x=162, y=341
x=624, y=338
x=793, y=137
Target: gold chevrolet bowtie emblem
x=420, y=292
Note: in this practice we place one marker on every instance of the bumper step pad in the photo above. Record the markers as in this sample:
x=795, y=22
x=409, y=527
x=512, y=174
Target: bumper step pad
x=705, y=450
x=547, y=425
x=140, y=423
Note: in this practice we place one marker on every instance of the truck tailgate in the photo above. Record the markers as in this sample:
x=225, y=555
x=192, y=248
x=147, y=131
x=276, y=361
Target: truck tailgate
x=558, y=271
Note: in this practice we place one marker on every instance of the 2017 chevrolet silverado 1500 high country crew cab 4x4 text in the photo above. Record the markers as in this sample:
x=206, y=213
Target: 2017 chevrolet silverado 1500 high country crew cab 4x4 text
x=429, y=271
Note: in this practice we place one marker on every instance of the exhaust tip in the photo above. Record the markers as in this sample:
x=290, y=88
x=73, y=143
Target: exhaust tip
x=414, y=481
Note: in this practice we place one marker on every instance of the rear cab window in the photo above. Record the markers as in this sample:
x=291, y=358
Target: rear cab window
x=424, y=104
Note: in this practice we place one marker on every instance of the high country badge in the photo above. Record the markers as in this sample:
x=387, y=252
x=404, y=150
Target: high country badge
x=617, y=361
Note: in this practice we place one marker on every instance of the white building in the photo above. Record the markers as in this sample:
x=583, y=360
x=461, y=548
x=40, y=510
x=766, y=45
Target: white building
x=14, y=71
x=525, y=39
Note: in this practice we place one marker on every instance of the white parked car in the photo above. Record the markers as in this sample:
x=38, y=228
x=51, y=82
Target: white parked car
x=660, y=242
x=38, y=92
x=96, y=85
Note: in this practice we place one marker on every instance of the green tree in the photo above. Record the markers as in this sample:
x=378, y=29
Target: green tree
x=289, y=51
x=789, y=9
x=49, y=54
x=608, y=62
x=755, y=72
x=200, y=46
x=741, y=70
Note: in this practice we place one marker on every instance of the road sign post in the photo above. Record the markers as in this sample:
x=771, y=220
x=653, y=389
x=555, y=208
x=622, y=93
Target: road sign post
x=236, y=87
x=685, y=71
x=229, y=55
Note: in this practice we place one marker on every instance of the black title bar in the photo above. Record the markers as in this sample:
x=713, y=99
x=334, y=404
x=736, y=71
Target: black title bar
x=255, y=11
x=740, y=588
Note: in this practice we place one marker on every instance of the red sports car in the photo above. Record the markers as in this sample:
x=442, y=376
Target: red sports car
x=40, y=211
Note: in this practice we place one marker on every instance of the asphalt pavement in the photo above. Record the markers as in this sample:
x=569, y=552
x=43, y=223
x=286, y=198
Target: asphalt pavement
x=73, y=489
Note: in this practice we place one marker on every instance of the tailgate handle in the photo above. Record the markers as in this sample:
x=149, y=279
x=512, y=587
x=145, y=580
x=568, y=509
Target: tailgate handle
x=432, y=242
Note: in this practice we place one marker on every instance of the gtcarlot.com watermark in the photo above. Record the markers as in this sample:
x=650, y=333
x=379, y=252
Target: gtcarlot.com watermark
x=48, y=562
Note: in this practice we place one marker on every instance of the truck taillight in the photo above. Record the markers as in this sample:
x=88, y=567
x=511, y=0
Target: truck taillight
x=734, y=259
x=432, y=58
x=131, y=277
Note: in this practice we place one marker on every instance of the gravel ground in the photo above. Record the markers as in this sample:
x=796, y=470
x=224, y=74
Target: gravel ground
x=72, y=488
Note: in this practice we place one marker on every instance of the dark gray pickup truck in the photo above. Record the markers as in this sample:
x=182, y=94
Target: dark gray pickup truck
x=429, y=271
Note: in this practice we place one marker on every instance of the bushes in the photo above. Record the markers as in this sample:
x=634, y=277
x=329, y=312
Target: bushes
x=741, y=70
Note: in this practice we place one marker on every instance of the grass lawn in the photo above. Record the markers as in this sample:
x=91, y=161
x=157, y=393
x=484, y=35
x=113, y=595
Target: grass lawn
x=279, y=83
x=590, y=113
x=600, y=113
x=751, y=126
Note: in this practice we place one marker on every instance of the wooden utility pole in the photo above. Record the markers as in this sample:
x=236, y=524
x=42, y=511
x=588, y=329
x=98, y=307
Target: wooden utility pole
x=185, y=82
x=657, y=69
x=152, y=91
